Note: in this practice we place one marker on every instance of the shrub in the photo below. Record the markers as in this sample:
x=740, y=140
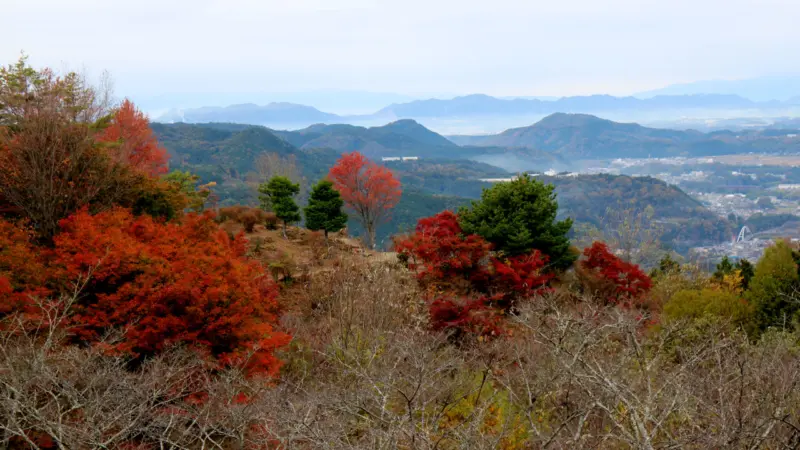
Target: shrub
x=773, y=287
x=160, y=284
x=480, y=286
x=611, y=278
x=270, y=220
x=709, y=304
x=22, y=271
x=249, y=219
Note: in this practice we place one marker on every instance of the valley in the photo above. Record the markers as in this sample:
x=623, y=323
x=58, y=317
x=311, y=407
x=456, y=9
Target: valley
x=702, y=187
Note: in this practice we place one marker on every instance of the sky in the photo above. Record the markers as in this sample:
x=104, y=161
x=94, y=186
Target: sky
x=416, y=48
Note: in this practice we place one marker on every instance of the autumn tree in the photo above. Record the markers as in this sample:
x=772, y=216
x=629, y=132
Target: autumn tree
x=773, y=289
x=278, y=196
x=22, y=270
x=324, y=210
x=158, y=284
x=520, y=216
x=133, y=142
x=629, y=228
x=369, y=190
x=62, y=147
x=613, y=279
x=479, y=287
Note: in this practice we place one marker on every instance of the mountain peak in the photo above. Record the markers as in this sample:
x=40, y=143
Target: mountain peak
x=569, y=120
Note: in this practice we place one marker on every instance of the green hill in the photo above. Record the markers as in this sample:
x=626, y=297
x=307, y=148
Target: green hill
x=401, y=138
x=583, y=136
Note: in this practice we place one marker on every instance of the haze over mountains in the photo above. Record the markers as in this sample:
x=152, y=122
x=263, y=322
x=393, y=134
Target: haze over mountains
x=474, y=114
x=758, y=89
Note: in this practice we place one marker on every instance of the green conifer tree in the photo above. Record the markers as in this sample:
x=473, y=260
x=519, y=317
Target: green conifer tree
x=520, y=216
x=324, y=210
x=278, y=196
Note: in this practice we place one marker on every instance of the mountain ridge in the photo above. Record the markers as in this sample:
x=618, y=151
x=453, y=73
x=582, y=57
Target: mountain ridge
x=296, y=116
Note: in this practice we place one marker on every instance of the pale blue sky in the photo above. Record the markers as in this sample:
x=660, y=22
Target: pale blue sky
x=416, y=47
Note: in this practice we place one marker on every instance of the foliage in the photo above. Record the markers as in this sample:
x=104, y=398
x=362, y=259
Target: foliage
x=724, y=267
x=480, y=286
x=666, y=266
x=631, y=230
x=520, y=216
x=619, y=282
x=369, y=190
x=440, y=253
x=248, y=217
x=62, y=148
x=746, y=271
x=762, y=222
x=465, y=316
x=773, y=288
x=709, y=304
x=22, y=270
x=161, y=284
x=277, y=196
x=186, y=183
x=324, y=210
x=134, y=143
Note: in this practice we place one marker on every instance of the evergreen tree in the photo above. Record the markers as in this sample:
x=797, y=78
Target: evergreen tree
x=519, y=216
x=746, y=270
x=324, y=210
x=723, y=268
x=277, y=196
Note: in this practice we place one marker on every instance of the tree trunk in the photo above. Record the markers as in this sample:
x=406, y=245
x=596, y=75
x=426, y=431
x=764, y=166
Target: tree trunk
x=371, y=237
x=284, y=230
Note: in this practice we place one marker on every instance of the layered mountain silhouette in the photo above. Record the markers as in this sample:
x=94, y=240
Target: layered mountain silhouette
x=294, y=116
x=586, y=136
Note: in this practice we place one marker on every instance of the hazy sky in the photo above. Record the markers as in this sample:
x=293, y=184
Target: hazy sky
x=417, y=47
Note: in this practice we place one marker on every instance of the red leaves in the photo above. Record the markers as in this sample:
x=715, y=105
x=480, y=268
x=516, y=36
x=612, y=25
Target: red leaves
x=138, y=147
x=618, y=281
x=440, y=253
x=368, y=189
x=466, y=316
x=171, y=283
x=22, y=271
x=481, y=287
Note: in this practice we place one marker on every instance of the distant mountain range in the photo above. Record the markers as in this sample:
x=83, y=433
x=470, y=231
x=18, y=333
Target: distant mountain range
x=759, y=89
x=485, y=108
x=584, y=136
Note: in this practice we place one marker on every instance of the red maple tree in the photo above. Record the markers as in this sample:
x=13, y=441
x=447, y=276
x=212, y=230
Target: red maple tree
x=369, y=190
x=160, y=284
x=611, y=278
x=137, y=146
x=480, y=287
x=440, y=253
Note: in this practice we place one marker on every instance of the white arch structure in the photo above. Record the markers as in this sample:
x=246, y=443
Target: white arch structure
x=742, y=233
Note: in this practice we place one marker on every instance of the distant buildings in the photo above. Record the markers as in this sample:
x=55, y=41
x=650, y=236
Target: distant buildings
x=400, y=158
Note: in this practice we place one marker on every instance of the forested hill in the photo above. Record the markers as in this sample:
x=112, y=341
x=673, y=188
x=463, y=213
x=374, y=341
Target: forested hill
x=588, y=198
x=401, y=138
x=227, y=154
x=584, y=136
x=220, y=152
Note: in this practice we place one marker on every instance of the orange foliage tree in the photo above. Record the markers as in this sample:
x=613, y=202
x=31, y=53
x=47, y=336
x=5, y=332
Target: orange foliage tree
x=62, y=148
x=135, y=144
x=22, y=272
x=369, y=190
x=159, y=284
